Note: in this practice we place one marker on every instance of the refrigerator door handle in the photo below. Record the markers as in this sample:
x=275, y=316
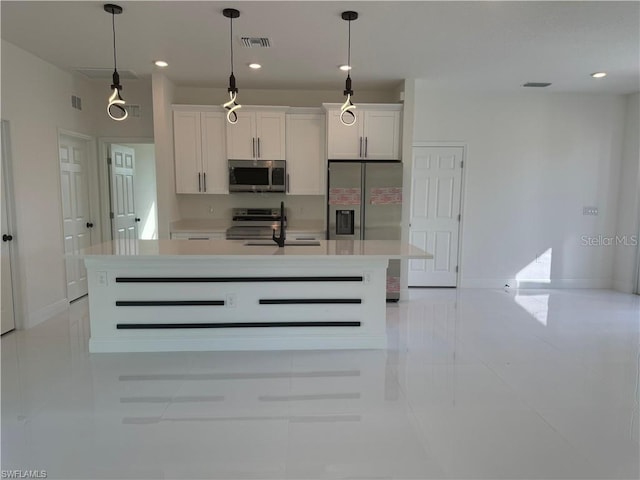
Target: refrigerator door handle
x=360, y=151
x=366, y=146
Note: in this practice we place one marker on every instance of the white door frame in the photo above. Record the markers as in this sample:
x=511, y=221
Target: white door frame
x=92, y=184
x=463, y=190
x=103, y=171
x=7, y=175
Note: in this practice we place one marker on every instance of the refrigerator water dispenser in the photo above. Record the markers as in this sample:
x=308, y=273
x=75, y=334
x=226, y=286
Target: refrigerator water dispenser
x=345, y=222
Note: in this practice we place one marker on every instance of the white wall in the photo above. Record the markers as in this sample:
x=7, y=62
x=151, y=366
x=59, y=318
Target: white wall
x=36, y=100
x=534, y=159
x=145, y=190
x=135, y=92
x=629, y=199
x=163, y=98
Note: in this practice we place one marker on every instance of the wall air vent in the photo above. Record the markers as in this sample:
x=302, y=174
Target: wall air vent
x=105, y=73
x=134, y=110
x=256, y=42
x=536, y=84
x=76, y=102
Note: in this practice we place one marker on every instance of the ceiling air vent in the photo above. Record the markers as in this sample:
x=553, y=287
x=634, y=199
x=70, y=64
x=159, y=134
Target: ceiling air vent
x=105, y=73
x=536, y=84
x=256, y=42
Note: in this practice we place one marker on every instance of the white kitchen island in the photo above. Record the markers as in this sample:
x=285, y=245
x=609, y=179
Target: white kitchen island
x=177, y=295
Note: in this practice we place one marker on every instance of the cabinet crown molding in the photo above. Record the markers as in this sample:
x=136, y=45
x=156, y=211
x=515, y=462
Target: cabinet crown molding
x=366, y=106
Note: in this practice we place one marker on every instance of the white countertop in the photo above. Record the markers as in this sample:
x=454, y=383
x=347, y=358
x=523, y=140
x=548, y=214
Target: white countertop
x=144, y=249
x=219, y=225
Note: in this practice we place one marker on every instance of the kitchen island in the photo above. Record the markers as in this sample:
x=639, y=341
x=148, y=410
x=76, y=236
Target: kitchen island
x=177, y=295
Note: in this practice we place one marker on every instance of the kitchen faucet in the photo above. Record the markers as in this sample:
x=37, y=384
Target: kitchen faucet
x=283, y=236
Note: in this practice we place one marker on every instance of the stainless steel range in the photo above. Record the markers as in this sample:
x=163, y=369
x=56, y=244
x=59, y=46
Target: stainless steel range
x=254, y=223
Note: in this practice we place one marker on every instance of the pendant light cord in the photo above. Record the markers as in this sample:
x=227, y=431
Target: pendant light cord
x=231, y=43
x=349, y=52
x=113, y=26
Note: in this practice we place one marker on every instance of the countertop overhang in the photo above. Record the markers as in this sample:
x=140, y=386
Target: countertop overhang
x=236, y=249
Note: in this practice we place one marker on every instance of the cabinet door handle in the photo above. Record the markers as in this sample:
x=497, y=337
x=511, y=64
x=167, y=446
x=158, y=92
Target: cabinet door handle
x=258, y=147
x=204, y=181
x=199, y=183
x=89, y=225
x=253, y=144
x=360, y=151
x=287, y=183
x=7, y=238
x=366, y=146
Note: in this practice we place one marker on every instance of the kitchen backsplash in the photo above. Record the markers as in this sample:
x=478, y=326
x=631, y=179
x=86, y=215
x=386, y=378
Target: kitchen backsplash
x=307, y=207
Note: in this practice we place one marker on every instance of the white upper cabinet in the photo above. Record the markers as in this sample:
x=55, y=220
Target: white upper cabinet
x=259, y=134
x=199, y=151
x=375, y=136
x=306, y=159
x=241, y=143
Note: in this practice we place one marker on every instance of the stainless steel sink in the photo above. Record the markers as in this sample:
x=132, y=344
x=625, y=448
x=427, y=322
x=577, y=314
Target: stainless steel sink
x=288, y=243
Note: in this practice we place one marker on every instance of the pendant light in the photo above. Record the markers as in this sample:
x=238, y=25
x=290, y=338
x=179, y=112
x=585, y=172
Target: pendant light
x=231, y=105
x=115, y=105
x=347, y=115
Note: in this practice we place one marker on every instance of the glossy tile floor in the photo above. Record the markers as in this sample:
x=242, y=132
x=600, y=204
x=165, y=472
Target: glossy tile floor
x=474, y=384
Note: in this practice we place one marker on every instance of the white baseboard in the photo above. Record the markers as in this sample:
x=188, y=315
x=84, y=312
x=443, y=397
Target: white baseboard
x=228, y=342
x=598, y=283
x=39, y=316
x=624, y=287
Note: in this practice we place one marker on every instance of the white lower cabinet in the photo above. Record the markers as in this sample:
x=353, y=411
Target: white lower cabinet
x=305, y=235
x=197, y=235
x=306, y=158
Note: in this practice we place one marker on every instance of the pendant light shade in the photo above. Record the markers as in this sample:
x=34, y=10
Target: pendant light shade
x=115, y=105
x=347, y=114
x=232, y=105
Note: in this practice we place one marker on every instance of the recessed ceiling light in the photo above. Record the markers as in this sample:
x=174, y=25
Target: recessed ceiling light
x=255, y=66
x=345, y=68
x=599, y=74
x=160, y=63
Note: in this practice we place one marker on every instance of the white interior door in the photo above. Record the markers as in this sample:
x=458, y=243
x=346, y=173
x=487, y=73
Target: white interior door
x=124, y=223
x=8, y=315
x=435, y=210
x=75, y=210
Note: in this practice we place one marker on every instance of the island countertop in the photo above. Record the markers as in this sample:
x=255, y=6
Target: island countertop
x=229, y=249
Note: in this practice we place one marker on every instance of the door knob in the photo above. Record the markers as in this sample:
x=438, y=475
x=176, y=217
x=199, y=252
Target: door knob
x=137, y=219
x=7, y=238
x=89, y=225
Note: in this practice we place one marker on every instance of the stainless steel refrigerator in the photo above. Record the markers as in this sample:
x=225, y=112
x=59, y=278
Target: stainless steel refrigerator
x=365, y=203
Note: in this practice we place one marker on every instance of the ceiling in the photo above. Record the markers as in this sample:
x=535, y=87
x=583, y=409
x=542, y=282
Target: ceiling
x=480, y=46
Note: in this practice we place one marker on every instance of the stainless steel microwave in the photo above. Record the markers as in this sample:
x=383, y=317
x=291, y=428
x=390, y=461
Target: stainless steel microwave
x=257, y=175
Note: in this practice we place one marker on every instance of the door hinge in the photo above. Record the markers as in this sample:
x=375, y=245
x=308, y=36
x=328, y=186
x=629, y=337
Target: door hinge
x=108, y=160
x=456, y=269
x=111, y=215
x=459, y=217
x=462, y=164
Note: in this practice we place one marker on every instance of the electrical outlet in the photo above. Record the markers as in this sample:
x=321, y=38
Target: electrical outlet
x=367, y=277
x=102, y=278
x=589, y=210
x=231, y=300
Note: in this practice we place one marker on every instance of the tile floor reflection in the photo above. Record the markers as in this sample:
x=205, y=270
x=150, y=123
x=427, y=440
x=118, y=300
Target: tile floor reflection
x=472, y=385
